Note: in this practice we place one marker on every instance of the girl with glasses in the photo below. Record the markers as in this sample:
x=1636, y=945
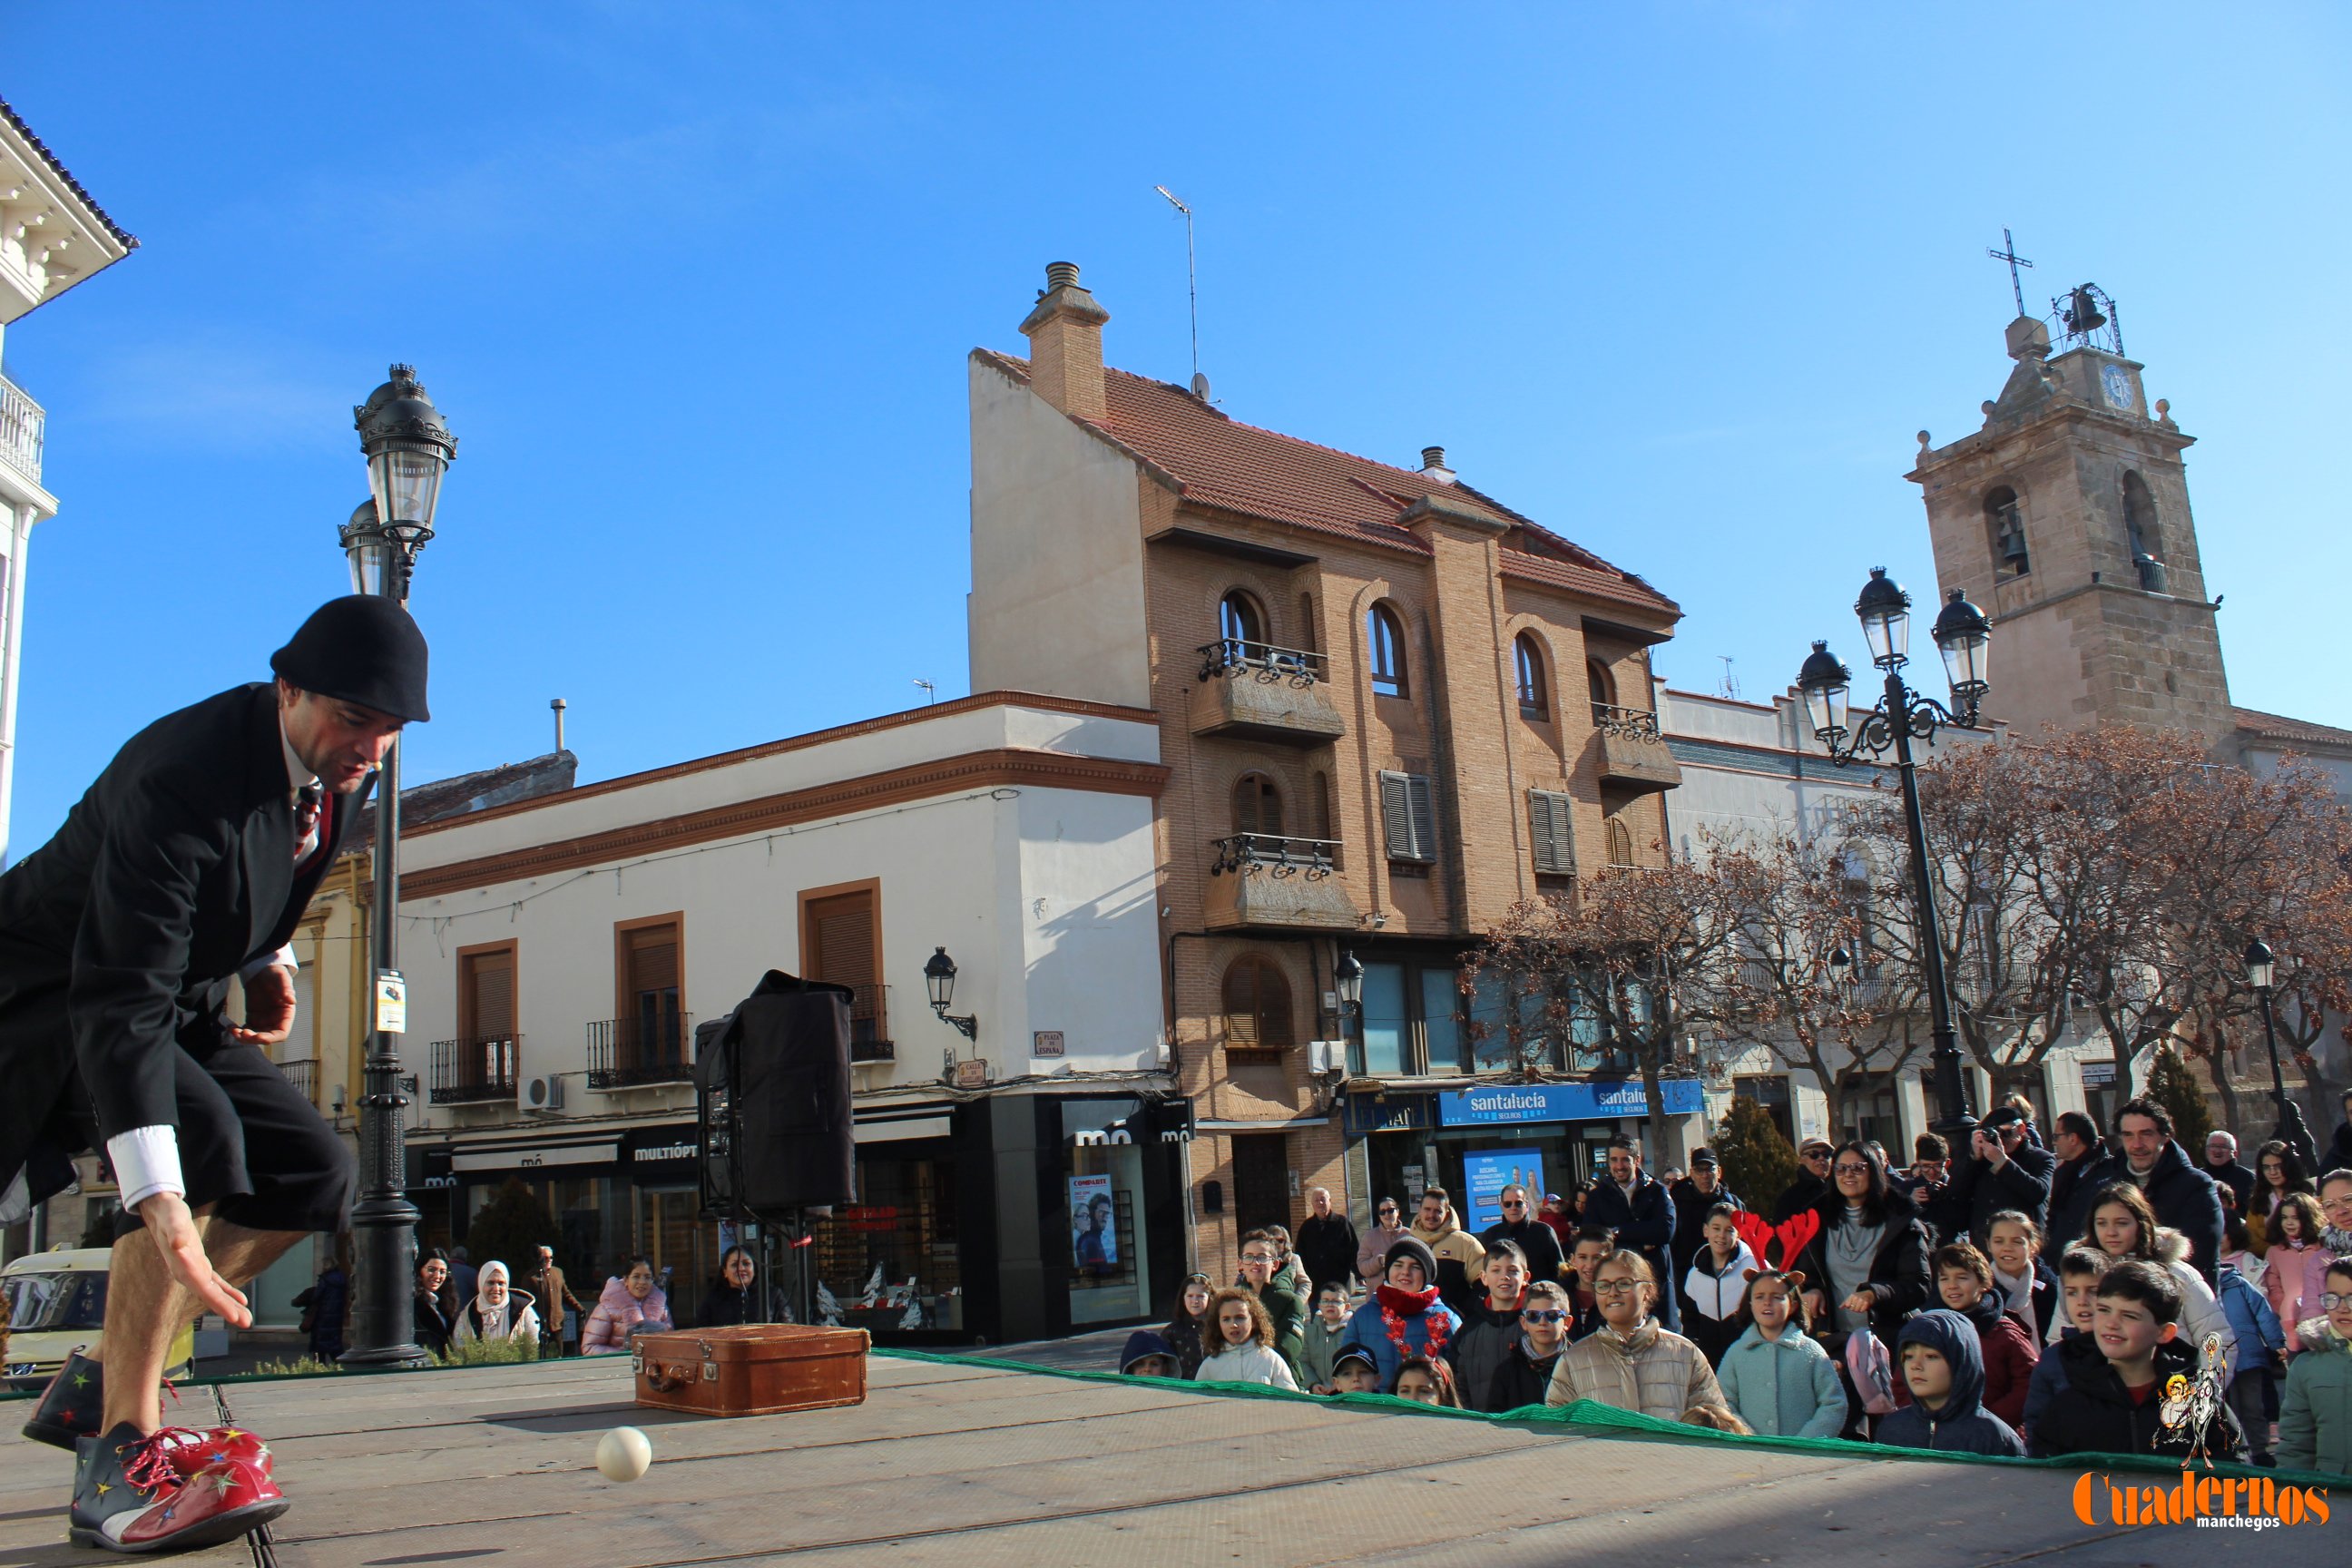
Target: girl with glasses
x=1633, y=1363
x=1867, y=1268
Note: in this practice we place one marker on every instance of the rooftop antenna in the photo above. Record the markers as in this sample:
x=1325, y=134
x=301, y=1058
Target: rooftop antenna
x=930, y=692
x=2008, y=252
x=1731, y=687
x=1192, y=287
x=559, y=705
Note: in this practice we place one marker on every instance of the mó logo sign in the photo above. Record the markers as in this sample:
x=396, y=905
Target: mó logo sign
x=2214, y=1501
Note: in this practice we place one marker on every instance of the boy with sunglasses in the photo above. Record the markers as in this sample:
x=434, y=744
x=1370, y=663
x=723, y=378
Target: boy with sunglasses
x=1526, y=1367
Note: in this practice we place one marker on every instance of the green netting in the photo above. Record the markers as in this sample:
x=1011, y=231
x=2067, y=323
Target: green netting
x=1607, y=1420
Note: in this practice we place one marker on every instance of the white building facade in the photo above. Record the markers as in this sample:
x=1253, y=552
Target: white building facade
x=560, y=951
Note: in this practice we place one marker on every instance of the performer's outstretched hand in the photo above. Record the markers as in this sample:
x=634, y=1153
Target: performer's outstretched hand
x=174, y=1230
x=268, y=1007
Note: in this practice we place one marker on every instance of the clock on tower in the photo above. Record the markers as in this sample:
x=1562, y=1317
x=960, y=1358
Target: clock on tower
x=2115, y=383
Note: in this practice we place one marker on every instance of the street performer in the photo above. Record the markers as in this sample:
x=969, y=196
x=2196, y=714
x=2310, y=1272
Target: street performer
x=188, y=864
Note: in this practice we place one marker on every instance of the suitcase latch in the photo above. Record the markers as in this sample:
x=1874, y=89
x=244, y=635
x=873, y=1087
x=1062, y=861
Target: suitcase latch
x=709, y=1362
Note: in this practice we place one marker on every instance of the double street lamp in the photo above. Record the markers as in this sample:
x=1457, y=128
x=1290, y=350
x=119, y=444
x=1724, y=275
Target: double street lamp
x=408, y=448
x=2262, y=969
x=1963, y=635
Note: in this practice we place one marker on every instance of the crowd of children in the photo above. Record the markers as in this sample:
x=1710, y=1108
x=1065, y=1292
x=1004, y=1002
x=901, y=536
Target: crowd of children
x=1888, y=1324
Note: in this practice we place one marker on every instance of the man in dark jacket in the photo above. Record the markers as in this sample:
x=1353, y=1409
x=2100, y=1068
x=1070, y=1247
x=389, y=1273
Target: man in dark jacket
x=2080, y=1150
x=1633, y=1203
x=2001, y=1170
x=1535, y=1240
x=1327, y=1243
x=1813, y=1181
x=1694, y=1195
x=2223, y=1168
x=2182, y=1195
x=185, y=868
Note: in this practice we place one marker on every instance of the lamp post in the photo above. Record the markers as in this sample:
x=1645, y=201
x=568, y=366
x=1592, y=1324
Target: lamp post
x=938, y=978
x=1348, y=980
x=1901, y=716
x=2262, y=970
x=408, y=447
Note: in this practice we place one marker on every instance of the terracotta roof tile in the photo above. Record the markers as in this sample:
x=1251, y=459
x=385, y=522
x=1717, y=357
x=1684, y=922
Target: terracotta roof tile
x=2295, y=732
x=1217, y=461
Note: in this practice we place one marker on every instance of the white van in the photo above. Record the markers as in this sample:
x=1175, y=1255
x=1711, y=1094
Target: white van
x=56, y=1305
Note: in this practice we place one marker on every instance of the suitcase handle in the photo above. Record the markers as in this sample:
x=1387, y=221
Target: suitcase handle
x=665, y=1378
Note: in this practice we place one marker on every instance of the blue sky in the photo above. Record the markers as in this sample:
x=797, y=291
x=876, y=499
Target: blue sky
x=694, y=283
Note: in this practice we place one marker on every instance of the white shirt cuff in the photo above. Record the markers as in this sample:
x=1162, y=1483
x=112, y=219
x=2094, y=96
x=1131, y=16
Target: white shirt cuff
x=146, y=1161
x=282, y=959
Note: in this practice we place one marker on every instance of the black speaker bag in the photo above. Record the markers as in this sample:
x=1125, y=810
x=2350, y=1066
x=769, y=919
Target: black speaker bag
x=789, y=1044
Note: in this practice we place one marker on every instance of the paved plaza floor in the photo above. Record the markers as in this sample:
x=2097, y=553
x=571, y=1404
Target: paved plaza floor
x=972, y=1467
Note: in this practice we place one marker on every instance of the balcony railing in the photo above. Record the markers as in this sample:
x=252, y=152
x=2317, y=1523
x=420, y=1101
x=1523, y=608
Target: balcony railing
x=1264, y=661
x=1271, y=853
x=1266, y=880
x=304, y=1076
x=478, y=1068
x=22, y=428
x=625, y=1053
x=1631, y=723
x=1634, y=755
x=869, y=1024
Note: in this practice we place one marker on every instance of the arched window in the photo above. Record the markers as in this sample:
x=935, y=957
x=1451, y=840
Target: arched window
x=2005, y=526
x=1620, y=843
x=1318, y=808
x=1307, y=638
x=1257, y=806
x=1239, y=621
x=2142, y=533
x=1257, y=1007
x=1534, y=691
x=1603, y=688
x=1385, y=635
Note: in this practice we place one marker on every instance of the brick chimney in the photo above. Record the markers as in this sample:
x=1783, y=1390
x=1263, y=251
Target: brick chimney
x=1064, y=333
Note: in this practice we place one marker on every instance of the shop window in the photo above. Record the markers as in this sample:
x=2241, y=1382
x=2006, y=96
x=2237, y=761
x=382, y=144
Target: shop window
x=890, y=1261
x=1258, y=1025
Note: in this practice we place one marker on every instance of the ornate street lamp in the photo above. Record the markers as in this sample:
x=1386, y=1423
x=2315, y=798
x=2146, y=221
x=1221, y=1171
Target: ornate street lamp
x=408, y=447
x=938, y=978
x=1348, y=980
x=2262, y=970
x=1963, y=636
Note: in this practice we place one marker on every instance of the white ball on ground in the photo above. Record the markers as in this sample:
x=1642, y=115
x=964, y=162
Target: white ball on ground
x=623, y=1454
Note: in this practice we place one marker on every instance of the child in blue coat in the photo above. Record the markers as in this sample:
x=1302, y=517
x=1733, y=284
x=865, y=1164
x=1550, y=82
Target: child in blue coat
x=1776, y=1376
x=1943, y=1363
x=2261, y=1341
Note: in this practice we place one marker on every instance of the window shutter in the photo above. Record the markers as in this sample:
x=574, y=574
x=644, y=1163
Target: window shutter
x=1424, y=818
x=841, y=936
x=1554, y=830
x=653, y=959
x=1396, y=815
x=489, y=983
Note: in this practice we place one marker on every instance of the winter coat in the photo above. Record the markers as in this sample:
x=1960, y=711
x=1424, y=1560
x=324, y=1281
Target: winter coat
x=2234, y=1176
x=1711, y=1298
x=1488, y=1334
x=1461, y=1259
x=1318, y=1349
x=2048, y=1380
x=1652, y=1370
x=2095, y=1414
x=1248, y=1364
x=1960, y=1424
x=2007, y=1354
x=1371, y=1256
x=522, y=1319
x=1898, y=1274
x=2070, y=1201
x=1532, y=1237
x=1287, y=1307
x=1787, y=1387
x=2260, y=1338
x=550, y=1286
x=1691, y=1207
x=324, y=1306
x=1521, y=1379
x=433, y=1326
x=1141, y=1343
x=1645, y=1222
x=617, y=1313
x=2182, y=1196
x=1806, y=1192
x=726, y=1306
x=1327, y=1249
x=1976, y=1192
x=2294, y=1278
x=2201, y=1313
x=1368, y=1331
x=2316, y=1411
x=1184, y=1337
x=2048, y=1296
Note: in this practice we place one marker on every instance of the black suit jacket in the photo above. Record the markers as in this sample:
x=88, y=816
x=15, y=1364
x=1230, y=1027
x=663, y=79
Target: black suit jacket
x=120, y=936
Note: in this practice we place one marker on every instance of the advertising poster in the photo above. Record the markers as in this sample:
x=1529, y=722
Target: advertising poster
x=1094, y=1227
x=1487, y=1173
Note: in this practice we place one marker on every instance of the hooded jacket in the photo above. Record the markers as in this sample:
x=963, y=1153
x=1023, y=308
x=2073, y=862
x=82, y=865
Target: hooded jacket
x=2095, y=1414
x=2260, y=1336
x=1287, y=1309
x=1652, y=1370
x=1318, y=1352
x=2316, y=1411
x=2008, y=1357
x=1711, y=1298
x=2048, y=1379
x=2200, y=1311
x=1461, y=1259
x=1691, y=1207
x=617, y=1313
x=1141, y=1343
x=1787, y=1387
x=2183, y=1198
x=2294, y=1278
x=1960, y=1424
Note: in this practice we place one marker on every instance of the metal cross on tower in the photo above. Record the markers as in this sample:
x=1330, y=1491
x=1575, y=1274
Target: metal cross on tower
x=2008, y=252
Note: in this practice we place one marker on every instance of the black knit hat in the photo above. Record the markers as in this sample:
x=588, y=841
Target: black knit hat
x=1416, y=1250
x=360, y=648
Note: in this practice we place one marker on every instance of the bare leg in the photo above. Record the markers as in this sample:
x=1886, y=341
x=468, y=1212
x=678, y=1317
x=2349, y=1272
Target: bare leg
x=146, y=1310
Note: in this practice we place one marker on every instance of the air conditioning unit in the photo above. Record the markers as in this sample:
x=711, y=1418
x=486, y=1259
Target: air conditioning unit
x=544, y=1095
x=1326, y=1056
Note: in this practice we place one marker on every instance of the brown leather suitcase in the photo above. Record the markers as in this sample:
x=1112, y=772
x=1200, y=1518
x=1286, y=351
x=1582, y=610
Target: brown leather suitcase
x=755, y=1368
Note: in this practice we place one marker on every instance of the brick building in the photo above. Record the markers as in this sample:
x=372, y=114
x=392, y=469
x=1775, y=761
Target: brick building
x=1391, y=708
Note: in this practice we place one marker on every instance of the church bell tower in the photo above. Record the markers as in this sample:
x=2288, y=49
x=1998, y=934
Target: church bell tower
x=2066, y=518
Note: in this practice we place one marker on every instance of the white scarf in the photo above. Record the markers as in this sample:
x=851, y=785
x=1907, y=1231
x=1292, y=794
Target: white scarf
x=494, y=1320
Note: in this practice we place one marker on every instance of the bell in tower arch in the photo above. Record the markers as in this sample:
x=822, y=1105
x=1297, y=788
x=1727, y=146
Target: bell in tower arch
x=2083, y=313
